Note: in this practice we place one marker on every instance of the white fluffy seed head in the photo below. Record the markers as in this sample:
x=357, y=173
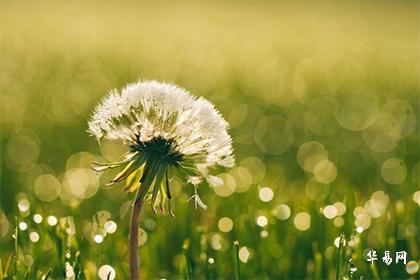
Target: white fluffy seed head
x=147, y=110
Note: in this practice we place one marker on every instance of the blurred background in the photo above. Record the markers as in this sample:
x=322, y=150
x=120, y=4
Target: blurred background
x=323, y=103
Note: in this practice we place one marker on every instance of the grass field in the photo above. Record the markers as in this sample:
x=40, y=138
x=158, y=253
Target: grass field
x=323, y=103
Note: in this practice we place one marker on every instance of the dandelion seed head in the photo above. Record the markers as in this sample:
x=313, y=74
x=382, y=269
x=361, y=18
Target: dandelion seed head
x=165, y=127
x=151, y=110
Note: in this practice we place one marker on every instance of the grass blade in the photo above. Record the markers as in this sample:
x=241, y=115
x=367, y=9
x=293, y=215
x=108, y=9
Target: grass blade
x=236, y=259
x=16, y=259
x=185, y=248
x=340, y=259
x=47, y=275
x=374, y=271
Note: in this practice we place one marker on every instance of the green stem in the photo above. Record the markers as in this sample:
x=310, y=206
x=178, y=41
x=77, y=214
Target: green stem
x=185, y=248
x=340, y=260
x=374, y=271
x=16, y=259
x=145, y=182
x=236, y=259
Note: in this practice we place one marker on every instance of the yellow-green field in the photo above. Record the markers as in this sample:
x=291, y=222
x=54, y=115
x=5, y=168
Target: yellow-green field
x=323, y=101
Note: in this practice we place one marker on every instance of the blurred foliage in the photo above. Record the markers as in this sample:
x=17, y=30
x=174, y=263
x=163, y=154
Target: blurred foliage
x=323, y=102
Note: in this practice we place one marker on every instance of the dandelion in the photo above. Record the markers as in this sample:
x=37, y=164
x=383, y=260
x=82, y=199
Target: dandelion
x=168, y=133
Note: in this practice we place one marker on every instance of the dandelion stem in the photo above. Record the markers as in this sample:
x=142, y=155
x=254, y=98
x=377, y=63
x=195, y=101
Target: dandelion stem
x=134, y=236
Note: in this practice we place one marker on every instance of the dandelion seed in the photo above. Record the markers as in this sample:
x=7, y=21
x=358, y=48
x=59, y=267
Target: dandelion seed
x=211, y=261
x=197, y=200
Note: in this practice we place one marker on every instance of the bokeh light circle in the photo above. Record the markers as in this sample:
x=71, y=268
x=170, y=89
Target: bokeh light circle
x=403, y=113
x=273, y=135
x=309, y=154
x=394, y=171
x=319, y=116
x=225, y=224
x=106, y=272
x=384, y=134
x=302, y=221
x=357, y=110
x=266, y=194
x=281, y=212
x=257, y=166
x=243, y=178
x=227, y=187
x=325, y=171
x=412, y=267
x=47, y=187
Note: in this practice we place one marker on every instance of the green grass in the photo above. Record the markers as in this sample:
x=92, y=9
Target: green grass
x=342, y=74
